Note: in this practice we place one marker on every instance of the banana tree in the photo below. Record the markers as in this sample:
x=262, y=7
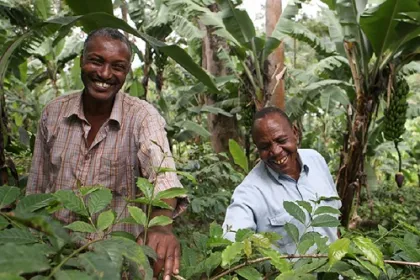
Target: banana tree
x=377, y=41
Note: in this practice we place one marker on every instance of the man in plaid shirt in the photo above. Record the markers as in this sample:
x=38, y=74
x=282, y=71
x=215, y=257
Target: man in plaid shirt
x=101, y=136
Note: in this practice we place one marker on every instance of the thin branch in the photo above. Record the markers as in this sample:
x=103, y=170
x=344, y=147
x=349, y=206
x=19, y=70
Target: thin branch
x=57, y=268
x=293, y=256
x=403, y=263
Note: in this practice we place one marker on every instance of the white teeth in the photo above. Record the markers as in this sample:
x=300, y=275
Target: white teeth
x=103, y=85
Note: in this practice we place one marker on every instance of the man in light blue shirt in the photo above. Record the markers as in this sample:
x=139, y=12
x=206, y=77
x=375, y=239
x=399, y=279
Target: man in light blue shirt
x=285, y=173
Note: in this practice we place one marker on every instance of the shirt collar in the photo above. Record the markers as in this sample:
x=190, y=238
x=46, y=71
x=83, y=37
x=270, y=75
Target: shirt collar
x=75, y=108
x=281, y=176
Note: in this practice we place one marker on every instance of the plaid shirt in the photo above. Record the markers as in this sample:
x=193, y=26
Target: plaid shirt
x=122, y=150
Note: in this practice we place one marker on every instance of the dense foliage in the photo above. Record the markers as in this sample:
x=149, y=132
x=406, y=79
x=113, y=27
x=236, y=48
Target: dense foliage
x=40, y=60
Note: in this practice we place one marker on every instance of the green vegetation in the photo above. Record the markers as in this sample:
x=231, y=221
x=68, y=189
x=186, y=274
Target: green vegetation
x=347, y=70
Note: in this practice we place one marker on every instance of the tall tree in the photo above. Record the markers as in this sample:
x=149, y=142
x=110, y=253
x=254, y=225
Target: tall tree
x=275, y=62
x=222, y=127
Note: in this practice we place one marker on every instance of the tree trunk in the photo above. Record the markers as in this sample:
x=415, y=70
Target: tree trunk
x=351, y=177
x=222, y=128
x=275, y=83
x=3, y=136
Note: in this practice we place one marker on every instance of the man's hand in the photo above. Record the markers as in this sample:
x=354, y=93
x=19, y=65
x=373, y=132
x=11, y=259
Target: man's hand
x=167, y=248
x=165, y=244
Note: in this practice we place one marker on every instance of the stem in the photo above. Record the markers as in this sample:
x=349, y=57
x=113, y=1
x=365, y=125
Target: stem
x=57, y=268
x=399, y=156
x=149, y=206
x=257, y=65
x=293, y=256
x=386, y=234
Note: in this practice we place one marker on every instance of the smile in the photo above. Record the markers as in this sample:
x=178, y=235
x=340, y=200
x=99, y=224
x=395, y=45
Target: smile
x=102, y=85
x=281, y=161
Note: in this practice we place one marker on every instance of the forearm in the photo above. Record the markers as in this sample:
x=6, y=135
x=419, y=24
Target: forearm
x=165, y=212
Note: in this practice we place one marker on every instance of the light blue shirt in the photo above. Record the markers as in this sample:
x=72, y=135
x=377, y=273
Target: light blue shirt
x=257, y=203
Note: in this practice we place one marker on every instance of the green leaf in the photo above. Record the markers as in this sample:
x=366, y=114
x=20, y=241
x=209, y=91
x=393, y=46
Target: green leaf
x=330, y=3
x=411, y=253
x=242, y=234
x=260, y=240
x=98, y=200
x=85, y=190
x=17, y=236
x=123, y=234
x=105, y=220
x=5, y=57
x=81, y=227
x=295, y=211
x=338, y=250
x=34, y=202
x=43, y=8
x=238, y=23
x=231, y=252
x=3, y=222
x=217, y=110
x=307, y=241
x=292, y=231
x=327, y=210
x=160, y=221
x=72, y=275
x=238, y=155
x=370, y=251
x=170, y=193
x=249, y=273
x=146, y=187
x=281, y=264
x=194, y=127
x=373, y=269
x=325, y=221
x=117, y=248
x=248, y=248
x=10, y=276
x=385, y=15
x=216, y=230
x=81, y=7
x=331, y=95
x=138, y=215
x=154, y=202
x=71, y=202
x=19, y=259
x=212, y=262
x=8, y=195
x=99, y=264
x=187, y=175
x=305, y=205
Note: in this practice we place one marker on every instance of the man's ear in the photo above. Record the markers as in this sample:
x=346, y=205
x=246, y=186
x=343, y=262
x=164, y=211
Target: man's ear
x=296, y=133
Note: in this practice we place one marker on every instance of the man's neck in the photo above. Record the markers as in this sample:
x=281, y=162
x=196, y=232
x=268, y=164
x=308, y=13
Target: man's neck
x=95, y=108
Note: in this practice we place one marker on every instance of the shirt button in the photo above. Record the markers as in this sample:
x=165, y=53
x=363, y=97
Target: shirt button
x=87, y=157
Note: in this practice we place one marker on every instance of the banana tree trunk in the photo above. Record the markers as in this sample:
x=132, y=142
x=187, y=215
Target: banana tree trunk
x=275, y=82
x=222, y=128
x=351, y=177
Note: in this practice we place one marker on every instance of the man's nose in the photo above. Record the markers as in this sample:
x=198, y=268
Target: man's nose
x=275, y=149
x=105, y=72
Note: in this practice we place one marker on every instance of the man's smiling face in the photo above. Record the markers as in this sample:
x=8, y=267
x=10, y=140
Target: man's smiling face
x=104, y=67
x=276, y=141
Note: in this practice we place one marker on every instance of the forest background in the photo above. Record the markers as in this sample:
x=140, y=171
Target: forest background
x=207, y=69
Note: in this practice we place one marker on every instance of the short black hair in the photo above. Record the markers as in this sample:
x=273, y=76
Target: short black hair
x=108, y=32
x=267, y=111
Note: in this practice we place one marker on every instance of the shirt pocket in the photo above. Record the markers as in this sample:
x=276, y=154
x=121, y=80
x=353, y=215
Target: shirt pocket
x=277, y=225
x=118, y=175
